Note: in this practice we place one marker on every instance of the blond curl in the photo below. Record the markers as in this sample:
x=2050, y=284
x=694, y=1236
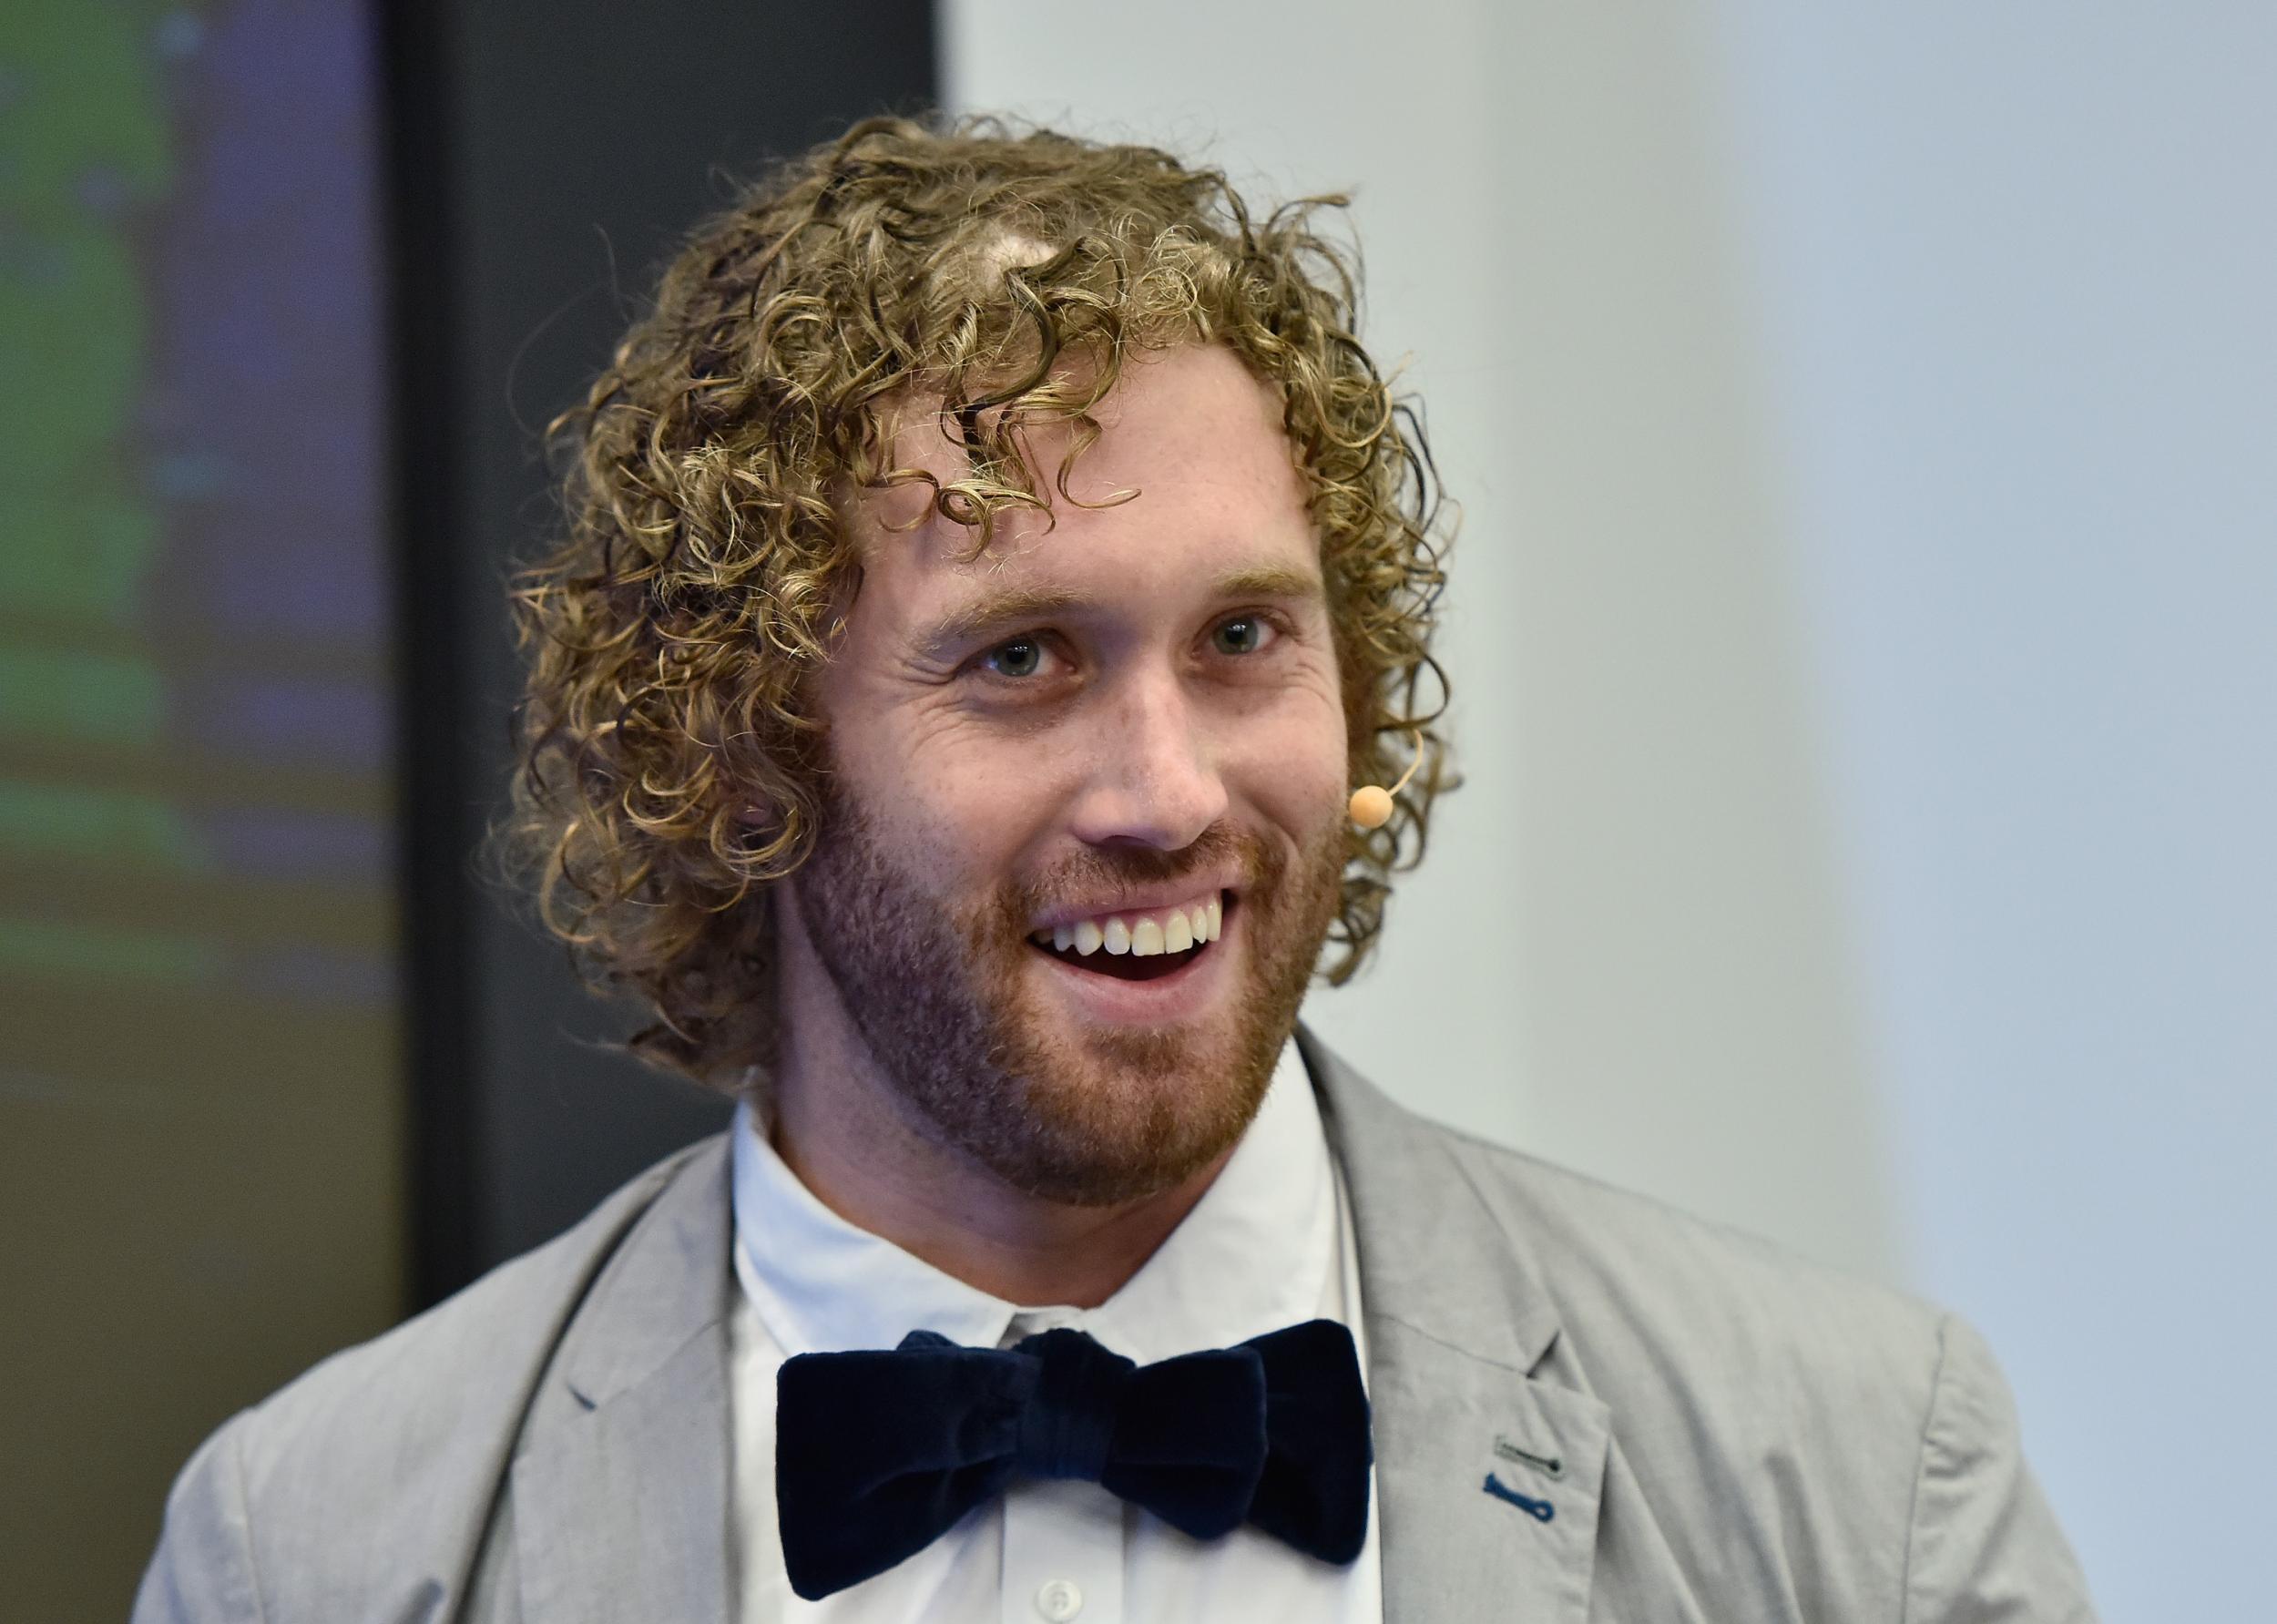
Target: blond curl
x=673, y=632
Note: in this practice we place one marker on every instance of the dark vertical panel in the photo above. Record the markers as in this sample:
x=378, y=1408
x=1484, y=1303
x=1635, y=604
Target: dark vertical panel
x=561, y=150
x=437, y=764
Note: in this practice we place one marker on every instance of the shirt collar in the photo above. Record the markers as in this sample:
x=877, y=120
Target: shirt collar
x=1252, y=1256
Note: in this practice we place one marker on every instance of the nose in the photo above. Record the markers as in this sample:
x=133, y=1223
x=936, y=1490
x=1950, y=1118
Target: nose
x=1154, y=778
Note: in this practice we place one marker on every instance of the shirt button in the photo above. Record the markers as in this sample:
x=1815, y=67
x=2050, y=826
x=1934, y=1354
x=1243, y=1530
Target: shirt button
x=1060, y=1601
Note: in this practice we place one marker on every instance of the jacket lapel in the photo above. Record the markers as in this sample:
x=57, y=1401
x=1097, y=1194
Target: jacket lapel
x=1488, y=1472
x=620, y=1491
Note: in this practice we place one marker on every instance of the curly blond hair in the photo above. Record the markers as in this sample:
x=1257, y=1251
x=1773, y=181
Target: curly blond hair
x=673, y=632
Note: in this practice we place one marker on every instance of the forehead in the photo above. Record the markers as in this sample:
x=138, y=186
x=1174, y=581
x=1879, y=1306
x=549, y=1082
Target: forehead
x=1189, y=431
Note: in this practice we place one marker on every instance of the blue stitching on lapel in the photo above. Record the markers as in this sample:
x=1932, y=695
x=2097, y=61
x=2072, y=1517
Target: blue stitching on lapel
x=1541, y=1511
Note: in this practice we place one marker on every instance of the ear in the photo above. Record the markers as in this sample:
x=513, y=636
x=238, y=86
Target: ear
x=758, y=826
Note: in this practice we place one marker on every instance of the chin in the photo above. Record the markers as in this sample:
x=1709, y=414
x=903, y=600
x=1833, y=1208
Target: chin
x=1104, y=1117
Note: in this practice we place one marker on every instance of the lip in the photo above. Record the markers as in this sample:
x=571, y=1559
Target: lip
x=1140, y=899
x=1183, y=995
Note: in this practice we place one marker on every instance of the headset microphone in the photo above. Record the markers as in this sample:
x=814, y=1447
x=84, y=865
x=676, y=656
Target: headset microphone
x=1371, y=804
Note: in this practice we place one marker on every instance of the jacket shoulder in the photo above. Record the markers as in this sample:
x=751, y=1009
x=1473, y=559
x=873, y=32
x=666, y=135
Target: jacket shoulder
x=1783, y=1440
x=1744, y=1326
x=1860, y=1447
x=403, y=1439
x=1598, y=1244
x=1604, y=1278
x=1777, y=1418
x=453, y=1365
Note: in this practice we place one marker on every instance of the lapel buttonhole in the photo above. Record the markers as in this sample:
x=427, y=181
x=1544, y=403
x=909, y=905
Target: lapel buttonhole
x=1553, y=1465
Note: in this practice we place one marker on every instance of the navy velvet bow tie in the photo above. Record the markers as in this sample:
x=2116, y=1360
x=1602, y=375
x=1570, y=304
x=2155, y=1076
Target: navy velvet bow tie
x=878, y=1454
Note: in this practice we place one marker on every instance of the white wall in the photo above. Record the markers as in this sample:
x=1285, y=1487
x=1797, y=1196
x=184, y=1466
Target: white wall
x=2016, y=272
x=1864, y=417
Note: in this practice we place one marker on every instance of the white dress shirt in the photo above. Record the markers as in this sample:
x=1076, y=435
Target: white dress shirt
x=1267, y=1245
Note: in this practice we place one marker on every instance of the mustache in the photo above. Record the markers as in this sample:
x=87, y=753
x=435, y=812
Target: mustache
x=1115, y=868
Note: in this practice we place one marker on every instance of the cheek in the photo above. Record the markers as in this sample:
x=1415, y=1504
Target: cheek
x=1292, y=769
x=971, y=800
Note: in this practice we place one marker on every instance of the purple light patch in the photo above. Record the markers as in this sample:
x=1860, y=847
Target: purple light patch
x=321, y=976
x=270, y=378
x=280, y=718
x=267, y=843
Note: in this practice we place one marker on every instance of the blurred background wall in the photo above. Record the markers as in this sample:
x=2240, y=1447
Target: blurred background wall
x=1860, y=641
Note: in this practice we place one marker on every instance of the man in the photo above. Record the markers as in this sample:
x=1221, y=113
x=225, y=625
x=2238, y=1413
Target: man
x=992, y=566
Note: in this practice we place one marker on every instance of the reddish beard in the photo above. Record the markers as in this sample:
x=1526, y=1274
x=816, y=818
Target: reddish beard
x=938, y=993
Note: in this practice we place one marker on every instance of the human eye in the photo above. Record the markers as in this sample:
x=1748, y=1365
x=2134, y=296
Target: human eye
x=1242, y=634
x=1016, y=659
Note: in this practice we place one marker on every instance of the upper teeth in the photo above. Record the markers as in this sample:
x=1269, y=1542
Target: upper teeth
x=1165, y=930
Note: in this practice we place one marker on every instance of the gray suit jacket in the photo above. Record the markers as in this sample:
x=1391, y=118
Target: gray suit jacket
x=1718, y=1432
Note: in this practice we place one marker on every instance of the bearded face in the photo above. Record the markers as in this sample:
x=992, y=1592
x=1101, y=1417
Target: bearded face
x=1084, y=825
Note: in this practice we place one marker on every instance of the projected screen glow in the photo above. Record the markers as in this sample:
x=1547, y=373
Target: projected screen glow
x=200, y=1151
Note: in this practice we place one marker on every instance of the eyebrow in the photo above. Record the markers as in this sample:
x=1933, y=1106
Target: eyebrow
x=1272, y=580
x=1006, y=607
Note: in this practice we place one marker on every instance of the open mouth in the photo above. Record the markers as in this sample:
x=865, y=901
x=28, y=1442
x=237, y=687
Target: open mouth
x=1138, y=947
x=1123, y=967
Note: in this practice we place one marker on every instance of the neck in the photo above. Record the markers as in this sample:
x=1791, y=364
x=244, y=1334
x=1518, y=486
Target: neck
x=842, y=1127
